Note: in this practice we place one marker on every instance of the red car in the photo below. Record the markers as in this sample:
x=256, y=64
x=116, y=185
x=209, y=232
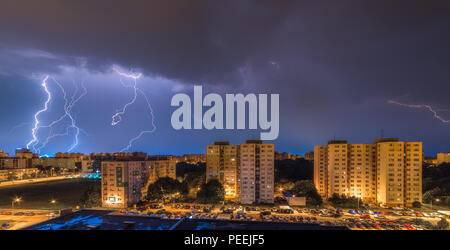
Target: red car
x=375, y=225
x=365, y=216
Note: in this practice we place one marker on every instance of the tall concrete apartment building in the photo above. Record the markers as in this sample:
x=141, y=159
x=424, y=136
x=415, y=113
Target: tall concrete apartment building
x=386, y=172
x=246, y=171
x=256, y=172
x=124, y=182
x=222, y=163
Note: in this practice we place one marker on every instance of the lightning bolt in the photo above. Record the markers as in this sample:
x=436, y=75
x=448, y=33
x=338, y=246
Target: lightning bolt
x=34, y=141
x=68, y=105
x=422, y=106
x=117, y=117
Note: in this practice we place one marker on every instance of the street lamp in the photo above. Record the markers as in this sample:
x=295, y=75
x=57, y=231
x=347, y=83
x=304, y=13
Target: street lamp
x=53, y=201
x=15, y=200
x=437, y=200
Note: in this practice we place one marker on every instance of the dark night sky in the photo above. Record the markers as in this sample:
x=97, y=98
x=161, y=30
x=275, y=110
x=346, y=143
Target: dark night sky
x=335, y=65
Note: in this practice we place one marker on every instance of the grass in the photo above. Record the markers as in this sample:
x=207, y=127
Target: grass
x=66, y=193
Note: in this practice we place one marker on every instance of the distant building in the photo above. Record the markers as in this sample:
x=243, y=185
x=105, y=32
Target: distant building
x=282, y=156
x=14, y=163
x=125, y=182
x=387, y=171
x=25, y=153
x=295, y=157
x=191, y=158
x=443, y=158
x=18, y=174
x=246, y=171
x=62, y=163
x=3, y=154
x=309, y=156
x=430, y=160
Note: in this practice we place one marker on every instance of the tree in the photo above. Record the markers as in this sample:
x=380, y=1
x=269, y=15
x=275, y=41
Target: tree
x=442, y=224
x=211, y=192
x=91, y=197
x=194, y=180
x=416, y=204
x=345, y=202
x=306, y=188
x=430, y=195
x=165, y=188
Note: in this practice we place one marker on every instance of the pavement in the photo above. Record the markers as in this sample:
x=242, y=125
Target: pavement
x=20, y=221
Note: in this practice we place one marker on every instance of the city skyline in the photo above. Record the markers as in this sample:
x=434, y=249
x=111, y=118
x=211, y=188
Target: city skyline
x=348, y=71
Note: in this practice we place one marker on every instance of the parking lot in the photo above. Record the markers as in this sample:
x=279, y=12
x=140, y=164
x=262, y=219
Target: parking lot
x=13, y=219
x=385, y=219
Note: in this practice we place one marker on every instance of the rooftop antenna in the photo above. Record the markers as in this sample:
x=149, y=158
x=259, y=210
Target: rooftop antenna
x=382, y=133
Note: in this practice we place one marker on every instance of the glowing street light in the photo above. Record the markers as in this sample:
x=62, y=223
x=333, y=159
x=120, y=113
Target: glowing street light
x=15, y=200
x=53, y=201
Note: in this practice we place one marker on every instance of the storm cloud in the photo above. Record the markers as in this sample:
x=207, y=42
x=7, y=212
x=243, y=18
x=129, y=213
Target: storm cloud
x=335, y=64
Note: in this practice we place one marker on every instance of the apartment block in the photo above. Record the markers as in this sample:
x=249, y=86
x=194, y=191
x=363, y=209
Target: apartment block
x=387, y=171
x=256, y=172
x=443, y=158
x=246, y=171
x=158, y=169
x=222, y=163
x=122, y=182
x=125, y=182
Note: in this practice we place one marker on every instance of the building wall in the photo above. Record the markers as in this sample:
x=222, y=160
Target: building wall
x=387, y=172
x=17, y=173
x=158, y=169
x=309, y=156
x=443, y=158
x=362, y=169
x=125, y=182
x=14, y=162
x=121, y=183
x=246, y=171
x=321, y=170
x=413, y=172
x=67, y=163
x=222, y=161
x=337, y=169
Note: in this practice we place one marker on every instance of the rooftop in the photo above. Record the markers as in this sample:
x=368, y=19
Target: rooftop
x=89, y=219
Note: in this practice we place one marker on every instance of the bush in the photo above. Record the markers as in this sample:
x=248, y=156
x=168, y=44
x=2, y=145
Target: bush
x=442, y=224
x=211, y=192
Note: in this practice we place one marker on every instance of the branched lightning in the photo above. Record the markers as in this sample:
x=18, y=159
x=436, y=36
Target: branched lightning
x=68, y=105
x=422, y=106
x=34, y=141
x=117, y=117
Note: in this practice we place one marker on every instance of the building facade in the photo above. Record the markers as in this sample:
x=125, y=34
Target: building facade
x=309, y=156
x=443, y=158
x=222, y=163
x=256, y=172
x=387, y=171
x=246, y=171
x=122, y=182
x=125, y=182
